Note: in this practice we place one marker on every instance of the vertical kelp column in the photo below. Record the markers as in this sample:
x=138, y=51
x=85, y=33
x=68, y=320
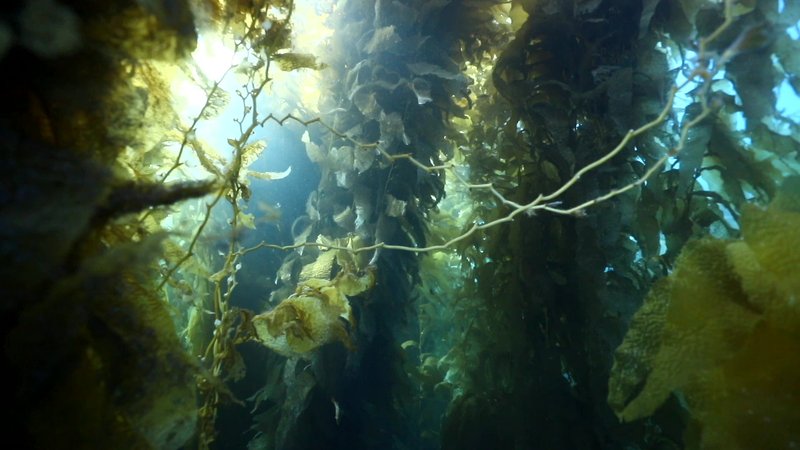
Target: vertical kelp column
x=551, y=295
x=88, y=342
x=363, y=195
x=529, y=364
x=395, y=80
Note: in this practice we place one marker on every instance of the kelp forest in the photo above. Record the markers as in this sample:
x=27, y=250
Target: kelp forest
x=400, y=224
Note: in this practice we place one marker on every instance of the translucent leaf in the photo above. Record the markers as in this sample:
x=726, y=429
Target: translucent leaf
x=365, y=101
x=423, y=68
x=302, y=237
x=294, y=61
x=742, y=7
x=315, y=153
x=286, y=271
x=345, y=219
x=407, y=344
x=270, y=175
x=217, y=101
x=218, y=276
x=383, y=39
x=392, y=127
x=247, y=220
x=693, y=151
x=395, y=207
x=363, y=201
x=342, y=158
x=518, y=15
x=208, y=158
x=251, y=152
x=363, y=159
x=345, y=178
x=422, y=89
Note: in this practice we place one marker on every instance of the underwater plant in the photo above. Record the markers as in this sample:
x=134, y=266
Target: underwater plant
x=723, y=331
x=496, y=184
x=316, y=314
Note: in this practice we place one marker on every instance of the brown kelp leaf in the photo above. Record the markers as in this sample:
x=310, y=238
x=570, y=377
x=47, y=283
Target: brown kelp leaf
x=633, y=360
x=724, y=330
x=293, y=61
x=316, y=314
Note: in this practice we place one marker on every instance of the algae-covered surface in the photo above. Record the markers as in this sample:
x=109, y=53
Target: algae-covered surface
x=400, y=224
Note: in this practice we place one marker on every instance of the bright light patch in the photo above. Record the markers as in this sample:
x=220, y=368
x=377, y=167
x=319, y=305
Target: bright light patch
x=310, y=34
x=217, y=67
x=310, y=31
x=788, y=101
x=212, y=96
x=214, y=55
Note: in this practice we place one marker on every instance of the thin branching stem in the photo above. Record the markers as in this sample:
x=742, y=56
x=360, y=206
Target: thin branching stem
x=542, y=202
